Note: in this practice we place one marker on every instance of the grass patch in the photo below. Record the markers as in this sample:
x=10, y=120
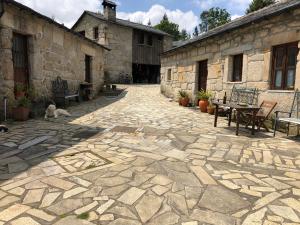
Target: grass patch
x=63, y=215
x=83, y=216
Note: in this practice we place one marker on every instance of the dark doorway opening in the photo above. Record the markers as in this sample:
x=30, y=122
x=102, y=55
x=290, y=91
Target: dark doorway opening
x=88, y=69
x=202, y=76
x=20, y=60
x=149, y=74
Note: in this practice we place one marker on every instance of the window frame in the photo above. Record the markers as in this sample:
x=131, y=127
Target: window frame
x=169, y=74
x=233, y=75
x=141, y=36
x=285, y=66
x=150, y=40
x=96, y=33
x=82, y=33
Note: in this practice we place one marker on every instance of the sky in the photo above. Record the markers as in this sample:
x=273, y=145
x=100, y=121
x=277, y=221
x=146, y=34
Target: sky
x=183, y=12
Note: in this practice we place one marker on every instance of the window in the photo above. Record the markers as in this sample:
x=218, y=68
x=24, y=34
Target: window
x=82, y=33
x=237, y=69
x=169, y=75
x=284, y=66
x=96, y=32
x=150, y=40
x=141, y=38
x=160, y=38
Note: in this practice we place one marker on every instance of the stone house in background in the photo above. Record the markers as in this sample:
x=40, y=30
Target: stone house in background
x=135, y=48
x=35, y=49
x=258, y=50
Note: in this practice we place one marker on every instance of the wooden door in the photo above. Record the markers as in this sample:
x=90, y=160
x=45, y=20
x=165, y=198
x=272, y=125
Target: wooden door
x=202, y=77
x=88, y=73
x=20, y=60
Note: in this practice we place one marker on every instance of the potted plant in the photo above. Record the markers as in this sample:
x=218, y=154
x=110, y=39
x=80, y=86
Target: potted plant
x=203, y=96
x=22, y=109
x=183, y=98
x=20, y=90
x=211, y=108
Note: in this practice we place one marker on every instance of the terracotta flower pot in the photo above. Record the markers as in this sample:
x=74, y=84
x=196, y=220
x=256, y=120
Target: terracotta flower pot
x=185, y=102
x=203, y=105
x=21, y=113
x=20, y=94
x=180, y=101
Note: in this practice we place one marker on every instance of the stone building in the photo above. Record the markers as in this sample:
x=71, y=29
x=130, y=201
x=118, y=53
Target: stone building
x=258, y=50
x=135, y=48
x=35, y=49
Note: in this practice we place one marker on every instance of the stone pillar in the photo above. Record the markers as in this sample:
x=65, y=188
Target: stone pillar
x=6, y=63
x=6, y=69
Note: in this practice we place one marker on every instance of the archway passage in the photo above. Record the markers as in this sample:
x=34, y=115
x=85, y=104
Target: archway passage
x=147, y=74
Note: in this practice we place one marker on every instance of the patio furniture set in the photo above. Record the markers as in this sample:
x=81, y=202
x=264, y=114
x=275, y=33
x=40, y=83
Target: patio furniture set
x=242, y=102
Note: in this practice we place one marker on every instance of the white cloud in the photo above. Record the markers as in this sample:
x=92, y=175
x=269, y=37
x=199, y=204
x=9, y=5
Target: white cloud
x=186, y=20
x=64, y=11
x=68, y=11
x=235, y=5
x=235, y=16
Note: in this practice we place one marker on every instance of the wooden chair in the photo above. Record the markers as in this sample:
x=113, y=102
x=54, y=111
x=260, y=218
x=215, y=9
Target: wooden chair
x=239, y=95
x=293, y=115
x=263, y=114
x=61, y=92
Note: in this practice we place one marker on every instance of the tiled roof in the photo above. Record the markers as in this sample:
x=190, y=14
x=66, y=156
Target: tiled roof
x=257, y=16
x=125, y=23
x=37, y=14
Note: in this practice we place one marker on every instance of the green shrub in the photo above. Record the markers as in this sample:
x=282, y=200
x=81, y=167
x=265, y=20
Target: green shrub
x=204, y=95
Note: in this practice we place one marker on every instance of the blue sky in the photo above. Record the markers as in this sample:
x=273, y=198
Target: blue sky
x=183, y=12
x=234, y=7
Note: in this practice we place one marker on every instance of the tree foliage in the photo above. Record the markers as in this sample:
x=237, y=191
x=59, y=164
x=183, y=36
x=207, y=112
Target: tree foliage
x=184, y=35
x=213, y=18
x=258, y=4
x=169, y=27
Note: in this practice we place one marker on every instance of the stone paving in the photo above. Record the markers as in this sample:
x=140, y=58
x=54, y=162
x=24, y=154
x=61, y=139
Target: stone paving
x=141, y=159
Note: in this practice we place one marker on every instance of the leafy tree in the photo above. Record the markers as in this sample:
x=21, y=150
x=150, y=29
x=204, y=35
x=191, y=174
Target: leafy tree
x=213, y=18
x=184, y=35
x=196, y=32
x=169, y=27
x=259, y=4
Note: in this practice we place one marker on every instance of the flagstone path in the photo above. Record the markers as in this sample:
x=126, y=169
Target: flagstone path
x=140, y=159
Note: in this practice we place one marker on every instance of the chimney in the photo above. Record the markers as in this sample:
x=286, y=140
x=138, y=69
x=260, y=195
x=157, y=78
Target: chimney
x=109, y=10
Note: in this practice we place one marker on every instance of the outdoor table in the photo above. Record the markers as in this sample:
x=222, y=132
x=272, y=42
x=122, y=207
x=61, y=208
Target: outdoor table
x=240, y=109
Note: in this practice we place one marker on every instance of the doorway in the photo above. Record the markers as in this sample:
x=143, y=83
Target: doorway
x=88, y=68
x=146, y=74
x=20, y=61
x=202, y=75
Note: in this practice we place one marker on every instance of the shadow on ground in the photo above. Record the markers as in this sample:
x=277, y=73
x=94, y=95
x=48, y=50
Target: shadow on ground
x=33, y=142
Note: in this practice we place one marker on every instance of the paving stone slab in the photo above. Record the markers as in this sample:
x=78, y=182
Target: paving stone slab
x=219, y=199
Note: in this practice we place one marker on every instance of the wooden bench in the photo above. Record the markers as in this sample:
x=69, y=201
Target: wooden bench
x=292, y=115
x=61, y=92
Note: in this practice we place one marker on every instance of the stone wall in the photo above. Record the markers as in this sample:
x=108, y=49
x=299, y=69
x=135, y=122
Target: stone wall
x=254, y=41
x=117, y=38
x=52, y=52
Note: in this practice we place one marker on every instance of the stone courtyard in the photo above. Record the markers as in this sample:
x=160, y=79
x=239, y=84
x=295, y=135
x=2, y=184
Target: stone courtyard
x=141, y=159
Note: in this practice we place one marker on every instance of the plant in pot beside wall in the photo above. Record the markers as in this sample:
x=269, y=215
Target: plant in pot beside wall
x=204, y=96
x=22, y=109
x=20, y=90
x=184, y=99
